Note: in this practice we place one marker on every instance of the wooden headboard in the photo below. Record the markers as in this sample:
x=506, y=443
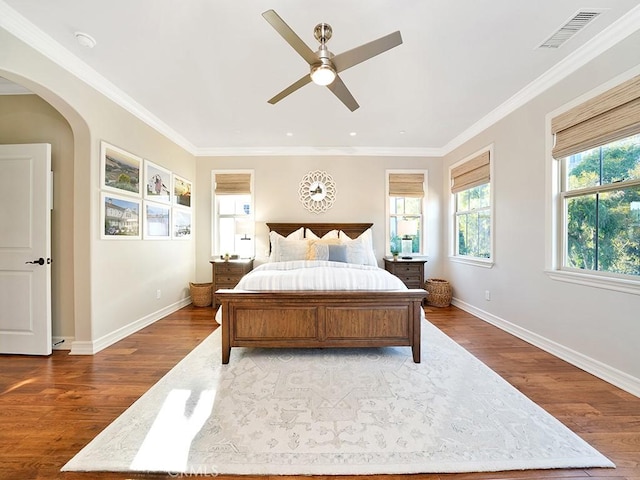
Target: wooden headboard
x=353, y=230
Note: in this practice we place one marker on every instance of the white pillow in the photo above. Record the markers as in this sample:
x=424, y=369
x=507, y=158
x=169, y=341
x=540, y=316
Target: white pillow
x=356, y=252
x=289, y=250
x=361, y=248
x=275, y=237
x=309, y=234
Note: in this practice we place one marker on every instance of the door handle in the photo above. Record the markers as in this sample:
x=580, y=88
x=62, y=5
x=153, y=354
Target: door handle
x=40, y=261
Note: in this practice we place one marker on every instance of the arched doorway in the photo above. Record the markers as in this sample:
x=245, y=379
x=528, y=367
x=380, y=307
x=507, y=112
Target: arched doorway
x=43, y=117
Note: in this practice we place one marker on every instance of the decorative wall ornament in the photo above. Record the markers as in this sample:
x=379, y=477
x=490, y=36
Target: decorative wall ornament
x=317, y=191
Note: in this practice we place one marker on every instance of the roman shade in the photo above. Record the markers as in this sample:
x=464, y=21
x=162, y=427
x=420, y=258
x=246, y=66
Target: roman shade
x=610, y=116
x=233, y=183
x=406, y=185
x=471, y=173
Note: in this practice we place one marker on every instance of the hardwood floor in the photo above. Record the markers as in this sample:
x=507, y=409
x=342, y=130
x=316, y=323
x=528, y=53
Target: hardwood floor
x=51, y=407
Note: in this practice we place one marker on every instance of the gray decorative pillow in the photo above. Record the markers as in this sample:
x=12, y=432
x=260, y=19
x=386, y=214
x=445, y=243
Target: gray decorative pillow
x=337, y=253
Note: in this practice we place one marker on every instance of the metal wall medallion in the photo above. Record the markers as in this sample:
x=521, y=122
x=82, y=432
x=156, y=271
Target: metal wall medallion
x=317, y=191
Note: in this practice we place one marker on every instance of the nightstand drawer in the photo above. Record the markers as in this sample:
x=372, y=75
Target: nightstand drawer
x=406, y=269
x=228, y=268
x=412, y=278
x=227, y=278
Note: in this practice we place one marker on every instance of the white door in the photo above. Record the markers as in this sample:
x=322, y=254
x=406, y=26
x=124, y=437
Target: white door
x=25, y=249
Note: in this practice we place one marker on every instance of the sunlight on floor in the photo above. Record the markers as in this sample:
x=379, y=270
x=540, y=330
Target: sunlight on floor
x=166, y=446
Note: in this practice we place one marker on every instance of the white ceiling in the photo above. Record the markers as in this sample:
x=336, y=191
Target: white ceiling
x=201, y=71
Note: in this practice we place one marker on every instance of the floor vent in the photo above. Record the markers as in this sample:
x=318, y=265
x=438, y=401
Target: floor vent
x=570, y=28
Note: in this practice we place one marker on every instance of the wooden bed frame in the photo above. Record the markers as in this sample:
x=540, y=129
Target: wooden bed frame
x=318, y=319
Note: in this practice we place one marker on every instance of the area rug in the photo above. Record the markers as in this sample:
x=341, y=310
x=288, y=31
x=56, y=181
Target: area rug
x=334, y=411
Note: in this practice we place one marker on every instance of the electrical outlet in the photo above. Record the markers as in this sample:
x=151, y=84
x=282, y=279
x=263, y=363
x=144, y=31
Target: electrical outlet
x=158, y=294
x=487, y=295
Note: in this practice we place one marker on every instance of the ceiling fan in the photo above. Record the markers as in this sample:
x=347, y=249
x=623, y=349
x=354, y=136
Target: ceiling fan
x=325, y=66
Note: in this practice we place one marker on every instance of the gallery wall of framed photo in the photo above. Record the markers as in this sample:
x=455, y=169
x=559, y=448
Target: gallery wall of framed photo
x=140, y=199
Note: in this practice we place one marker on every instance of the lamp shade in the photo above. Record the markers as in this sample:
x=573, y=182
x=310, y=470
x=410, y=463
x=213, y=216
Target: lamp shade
x=407, y=228
x=243, y=227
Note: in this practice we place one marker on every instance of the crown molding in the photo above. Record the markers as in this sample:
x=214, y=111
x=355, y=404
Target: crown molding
x=318, y=151
x=610, y=36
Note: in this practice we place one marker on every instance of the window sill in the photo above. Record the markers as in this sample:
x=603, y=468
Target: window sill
x=608, y=283
x=477, y=262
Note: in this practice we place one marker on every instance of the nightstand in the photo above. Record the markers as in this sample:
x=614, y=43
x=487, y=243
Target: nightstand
x=227, y=274
x=410, y=271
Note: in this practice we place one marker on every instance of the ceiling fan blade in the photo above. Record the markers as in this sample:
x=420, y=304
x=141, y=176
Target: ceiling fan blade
x=341, y=91
x=290, y=89
x=364, y=52
x=290, y=36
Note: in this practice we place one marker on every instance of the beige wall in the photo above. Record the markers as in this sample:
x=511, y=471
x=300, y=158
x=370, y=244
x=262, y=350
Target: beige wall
x=360, y=197
x=29, y=119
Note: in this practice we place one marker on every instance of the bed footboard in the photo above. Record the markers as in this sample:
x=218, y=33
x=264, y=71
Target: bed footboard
x=313, y=319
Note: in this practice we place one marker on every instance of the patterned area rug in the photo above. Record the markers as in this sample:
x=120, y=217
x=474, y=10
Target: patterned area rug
x=334, y=411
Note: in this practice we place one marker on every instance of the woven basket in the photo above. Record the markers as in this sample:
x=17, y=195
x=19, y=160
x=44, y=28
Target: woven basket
x=439, y=292
x=200, y=294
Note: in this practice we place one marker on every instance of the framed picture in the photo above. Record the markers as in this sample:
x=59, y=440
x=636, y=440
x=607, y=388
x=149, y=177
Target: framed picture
x=157, y=183
x=120, y=217
x=120, y=170
x=181, y=191
x=181, y=221
x=157, y=221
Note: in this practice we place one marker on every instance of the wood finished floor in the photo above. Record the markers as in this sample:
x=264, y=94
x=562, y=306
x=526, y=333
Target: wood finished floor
x=51, y=407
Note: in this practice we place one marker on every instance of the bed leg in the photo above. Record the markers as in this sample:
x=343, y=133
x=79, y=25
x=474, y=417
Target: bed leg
x=226, y=352
x=226, y=334
x=415, y=341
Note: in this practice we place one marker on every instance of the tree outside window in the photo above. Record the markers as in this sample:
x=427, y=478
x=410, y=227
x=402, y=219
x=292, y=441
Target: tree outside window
x=473, y=222
x=601, y=199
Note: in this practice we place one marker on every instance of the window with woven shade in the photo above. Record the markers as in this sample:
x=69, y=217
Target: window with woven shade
x=473, y=207
x=406, y=192
x=233, y=220
x=597, y=148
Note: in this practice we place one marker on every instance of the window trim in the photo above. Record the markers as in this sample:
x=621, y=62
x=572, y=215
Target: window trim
x=387, y=214
x=554, y=208
x=463, y=259
x=214, y=213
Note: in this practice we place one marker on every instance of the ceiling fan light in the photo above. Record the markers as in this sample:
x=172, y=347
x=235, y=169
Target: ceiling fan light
x=323, y=75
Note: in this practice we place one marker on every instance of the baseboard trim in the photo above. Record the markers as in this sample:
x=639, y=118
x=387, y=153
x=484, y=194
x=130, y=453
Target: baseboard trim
x=93, y=347
x=601, y=370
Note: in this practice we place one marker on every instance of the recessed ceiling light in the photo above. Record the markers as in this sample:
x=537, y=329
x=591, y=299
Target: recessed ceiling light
x=289, y=134
x=402, y=132
x=353, y=134
x=85, y=39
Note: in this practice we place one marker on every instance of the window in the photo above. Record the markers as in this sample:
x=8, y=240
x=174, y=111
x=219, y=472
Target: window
x=473, y=208
x=601, y=204
x=597, y=148
x=233, y=222
x=406, y=193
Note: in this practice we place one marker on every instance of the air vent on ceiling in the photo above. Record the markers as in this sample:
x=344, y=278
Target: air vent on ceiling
x=570, y=28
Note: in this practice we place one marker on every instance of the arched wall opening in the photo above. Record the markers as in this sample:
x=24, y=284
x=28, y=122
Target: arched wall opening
x=46, y=118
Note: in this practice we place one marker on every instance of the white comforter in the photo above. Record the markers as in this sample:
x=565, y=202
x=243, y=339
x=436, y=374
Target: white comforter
x=318, y=275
